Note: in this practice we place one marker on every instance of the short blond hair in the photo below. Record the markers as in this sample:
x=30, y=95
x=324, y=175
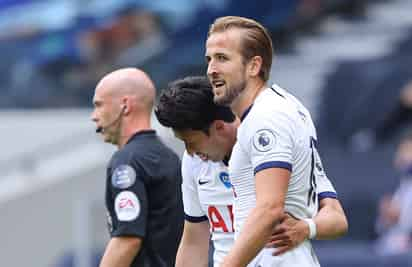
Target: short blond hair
x=256, y=41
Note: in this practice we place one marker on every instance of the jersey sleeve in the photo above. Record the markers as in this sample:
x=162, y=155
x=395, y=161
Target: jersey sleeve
x=129, y=205
x=324, y=186
x=191, y=203
x=269, y=141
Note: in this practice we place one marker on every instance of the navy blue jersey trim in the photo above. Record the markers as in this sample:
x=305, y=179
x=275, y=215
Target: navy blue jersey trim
x=226, y=161
x=274, y=90
x=194, y=219
x=273, y=164
x=246, y=112
x=327, y=194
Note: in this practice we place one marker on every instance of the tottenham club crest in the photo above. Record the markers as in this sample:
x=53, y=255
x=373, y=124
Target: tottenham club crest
x=264, y=140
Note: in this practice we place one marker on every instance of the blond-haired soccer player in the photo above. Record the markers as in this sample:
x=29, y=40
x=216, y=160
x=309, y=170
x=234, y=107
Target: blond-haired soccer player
x=274, y=165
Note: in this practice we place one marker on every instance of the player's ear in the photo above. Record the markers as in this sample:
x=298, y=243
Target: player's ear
x=254, y=66
x=218, y=125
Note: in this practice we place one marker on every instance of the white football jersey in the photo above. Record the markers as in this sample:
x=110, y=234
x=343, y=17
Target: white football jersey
x=207, y=195
x=217, y=197
x=277, y=132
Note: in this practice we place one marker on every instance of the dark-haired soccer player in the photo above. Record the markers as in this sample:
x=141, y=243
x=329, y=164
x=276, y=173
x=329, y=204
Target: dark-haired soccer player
x=209, y=133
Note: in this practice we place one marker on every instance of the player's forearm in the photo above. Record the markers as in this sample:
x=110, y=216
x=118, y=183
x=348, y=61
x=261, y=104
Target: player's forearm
x=194, y=245
x=255, y=233
x=190, y=255
x=120, y=252
x=330, y=221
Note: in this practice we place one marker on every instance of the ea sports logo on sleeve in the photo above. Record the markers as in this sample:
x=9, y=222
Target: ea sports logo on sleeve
x=127, y=206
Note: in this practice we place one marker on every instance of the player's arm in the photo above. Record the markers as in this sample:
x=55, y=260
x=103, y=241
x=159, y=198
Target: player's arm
x=330, y=222
x=271, y=188
x=121, y=251
x=194, y=245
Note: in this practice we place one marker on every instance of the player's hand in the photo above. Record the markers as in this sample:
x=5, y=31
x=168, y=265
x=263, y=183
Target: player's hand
x=288, y=234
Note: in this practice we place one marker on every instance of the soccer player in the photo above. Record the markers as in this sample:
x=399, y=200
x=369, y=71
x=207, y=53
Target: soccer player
x=274, y=165
x=143, y=193
x=209, y=133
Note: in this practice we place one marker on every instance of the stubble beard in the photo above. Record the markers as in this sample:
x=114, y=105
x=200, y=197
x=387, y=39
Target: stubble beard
x=230, y=94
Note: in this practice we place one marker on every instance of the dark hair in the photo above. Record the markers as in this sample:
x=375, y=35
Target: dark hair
x=187, y=104
x=255, y=41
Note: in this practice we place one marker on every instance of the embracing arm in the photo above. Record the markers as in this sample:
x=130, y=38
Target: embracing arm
x=121, y=251
x=330, y=223
x=194, y=245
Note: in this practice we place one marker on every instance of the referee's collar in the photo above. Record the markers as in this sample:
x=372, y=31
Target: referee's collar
x=141, y=132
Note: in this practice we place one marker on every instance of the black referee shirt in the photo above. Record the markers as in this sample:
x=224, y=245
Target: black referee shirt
x=144, y=199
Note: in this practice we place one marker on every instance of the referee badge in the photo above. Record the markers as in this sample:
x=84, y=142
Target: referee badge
x=264, y=140
x=123, y=177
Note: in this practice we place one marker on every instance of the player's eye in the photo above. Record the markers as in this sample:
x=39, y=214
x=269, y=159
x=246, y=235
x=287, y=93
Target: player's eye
x=221, y=57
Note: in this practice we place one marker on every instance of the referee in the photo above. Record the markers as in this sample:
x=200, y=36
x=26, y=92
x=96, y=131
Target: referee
x=143, y=193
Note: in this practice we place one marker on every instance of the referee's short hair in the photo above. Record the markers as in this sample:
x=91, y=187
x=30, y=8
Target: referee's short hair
x=187, y=104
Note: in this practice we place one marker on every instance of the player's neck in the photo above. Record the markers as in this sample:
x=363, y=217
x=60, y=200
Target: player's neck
x=247, y=97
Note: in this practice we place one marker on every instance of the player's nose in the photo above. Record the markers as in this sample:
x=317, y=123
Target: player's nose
x=211, y=69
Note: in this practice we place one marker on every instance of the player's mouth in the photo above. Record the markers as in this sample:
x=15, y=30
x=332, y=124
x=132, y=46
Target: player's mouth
x=218, y=83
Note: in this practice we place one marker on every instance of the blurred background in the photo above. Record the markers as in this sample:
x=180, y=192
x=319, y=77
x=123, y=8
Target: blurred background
x=349, y=61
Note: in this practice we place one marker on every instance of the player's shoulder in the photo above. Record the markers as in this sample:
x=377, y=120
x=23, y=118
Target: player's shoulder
x=275, y=98
x=192, y=163
x=190, y=160
x=267, y=111
x=277, y=105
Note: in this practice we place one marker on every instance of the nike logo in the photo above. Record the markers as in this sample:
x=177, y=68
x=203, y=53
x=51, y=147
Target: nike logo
x=202, y=182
